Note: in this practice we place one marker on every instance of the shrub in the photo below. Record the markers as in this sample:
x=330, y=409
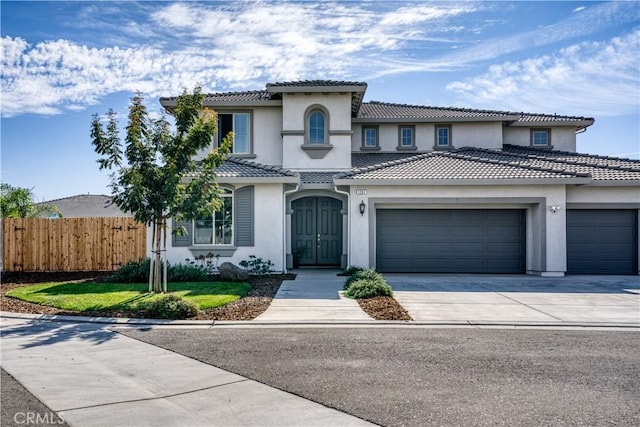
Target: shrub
x=367, y=288
x=138, y=272
x=257, y=265
x=171, y=306
x=350, y=271
x=186, y=273
x=131, y=272
x=366, y=274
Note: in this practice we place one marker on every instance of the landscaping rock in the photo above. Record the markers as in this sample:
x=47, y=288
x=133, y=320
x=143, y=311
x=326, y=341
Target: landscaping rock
x=231, y=272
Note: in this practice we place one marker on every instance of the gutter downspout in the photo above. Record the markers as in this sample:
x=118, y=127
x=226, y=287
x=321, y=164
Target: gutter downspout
x=335, y=187
x=284, y=224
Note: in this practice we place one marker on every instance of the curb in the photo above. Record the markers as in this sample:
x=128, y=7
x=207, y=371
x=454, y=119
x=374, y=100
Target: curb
x=123, y=321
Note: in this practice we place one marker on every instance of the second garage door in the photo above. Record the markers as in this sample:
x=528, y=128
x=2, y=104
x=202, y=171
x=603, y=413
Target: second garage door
x=450, y=241
x=602, y=241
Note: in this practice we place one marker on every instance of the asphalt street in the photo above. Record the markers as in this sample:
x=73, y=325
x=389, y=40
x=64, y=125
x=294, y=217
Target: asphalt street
x=426, y=376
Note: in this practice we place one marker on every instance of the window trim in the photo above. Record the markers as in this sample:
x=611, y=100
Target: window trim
x=250, y=153
x=532, y=132
x=413, y=138
x=436, y=144
x=227, y=193
x=307, y=125
x=364, y=146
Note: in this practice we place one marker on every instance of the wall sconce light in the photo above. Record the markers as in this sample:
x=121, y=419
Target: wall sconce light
x=555, y=208
x=362, y=207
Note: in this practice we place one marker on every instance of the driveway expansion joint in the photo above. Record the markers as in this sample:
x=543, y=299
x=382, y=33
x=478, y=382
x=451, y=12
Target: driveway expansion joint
x=145, y=399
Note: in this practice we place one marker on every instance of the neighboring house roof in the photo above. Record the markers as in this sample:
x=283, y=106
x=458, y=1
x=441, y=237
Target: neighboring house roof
x=87, y=205
x=375, y=111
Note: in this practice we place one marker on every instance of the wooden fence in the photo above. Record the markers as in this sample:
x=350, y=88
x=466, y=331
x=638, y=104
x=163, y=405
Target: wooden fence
x=71, y=244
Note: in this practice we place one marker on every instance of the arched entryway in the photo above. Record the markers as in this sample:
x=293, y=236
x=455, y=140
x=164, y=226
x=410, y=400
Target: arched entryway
x=316, y=231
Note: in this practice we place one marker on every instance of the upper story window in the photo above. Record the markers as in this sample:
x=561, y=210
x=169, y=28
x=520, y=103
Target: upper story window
x=443, y=136
x=370, y=139
x=216, y=229
x=540, y=137
x=240, y=125
x=406, y=137
x=317, y=127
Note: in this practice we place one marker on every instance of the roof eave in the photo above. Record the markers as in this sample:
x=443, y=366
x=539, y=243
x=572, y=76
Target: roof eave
x=433, y=119
x=550, y=123
x=257, y=179
x=616, y=183
x=356, y=88
x=460, y=182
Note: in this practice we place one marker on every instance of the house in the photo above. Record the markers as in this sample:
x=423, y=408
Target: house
x=322, y=178
x=87, y=205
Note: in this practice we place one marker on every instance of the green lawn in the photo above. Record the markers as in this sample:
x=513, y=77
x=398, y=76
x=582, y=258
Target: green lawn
x=126, y=296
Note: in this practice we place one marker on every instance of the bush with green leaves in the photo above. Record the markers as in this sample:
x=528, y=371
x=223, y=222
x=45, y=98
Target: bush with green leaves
x=362, y=274
x=350, y=270
x=257, y=266
x=131, y=272
x=138, y=272
x=186, y=273
x=171, y=306
x=367, y=288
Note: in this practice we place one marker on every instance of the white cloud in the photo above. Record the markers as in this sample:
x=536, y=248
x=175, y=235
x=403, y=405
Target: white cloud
x=241, y=45
x=590, y=78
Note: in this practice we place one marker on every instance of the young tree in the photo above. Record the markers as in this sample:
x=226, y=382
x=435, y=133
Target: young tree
x=158, y=174
x=16, y=202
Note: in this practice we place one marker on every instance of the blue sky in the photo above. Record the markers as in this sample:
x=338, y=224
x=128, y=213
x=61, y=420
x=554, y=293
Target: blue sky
x=64, y=61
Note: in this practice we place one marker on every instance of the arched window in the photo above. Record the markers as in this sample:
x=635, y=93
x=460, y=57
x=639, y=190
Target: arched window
x=317, y=127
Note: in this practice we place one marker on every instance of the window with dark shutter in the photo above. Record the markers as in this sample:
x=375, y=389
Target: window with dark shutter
x=244, y=217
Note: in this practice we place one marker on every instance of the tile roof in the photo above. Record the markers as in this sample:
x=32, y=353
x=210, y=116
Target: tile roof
x=359, y=160
x=311, y=83
x=250, y=95
x=389, y=111
x=455, y=165
x=601, y=168
x=317, y=177
x=240, y=168
x=386, y=110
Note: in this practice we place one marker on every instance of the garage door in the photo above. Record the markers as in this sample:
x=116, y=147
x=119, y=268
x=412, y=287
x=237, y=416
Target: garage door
x=602, y=241
x=450, y=241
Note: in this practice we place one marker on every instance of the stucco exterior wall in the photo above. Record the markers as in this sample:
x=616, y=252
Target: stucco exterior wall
x=268, y=231
x=294, y=107
x=607, y=196
x=546, y=231
x=267, y=141
x=563, y=138
x=482, y=135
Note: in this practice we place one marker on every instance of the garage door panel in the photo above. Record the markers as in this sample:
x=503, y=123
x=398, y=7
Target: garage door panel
x=602, y=241
x=446, y=240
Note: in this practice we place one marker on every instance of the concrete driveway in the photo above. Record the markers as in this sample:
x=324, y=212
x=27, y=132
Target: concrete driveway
x=452, y=298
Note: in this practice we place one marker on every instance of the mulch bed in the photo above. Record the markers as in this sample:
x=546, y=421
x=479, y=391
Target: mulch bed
x=256, y=302
x=384, y=308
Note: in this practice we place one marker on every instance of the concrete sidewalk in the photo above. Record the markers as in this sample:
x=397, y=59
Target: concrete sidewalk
x=313, y=297
x=517, y=299
x=90, y=376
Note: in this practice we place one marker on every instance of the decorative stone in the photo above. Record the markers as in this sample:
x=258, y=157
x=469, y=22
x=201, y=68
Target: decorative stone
x=231, y=272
